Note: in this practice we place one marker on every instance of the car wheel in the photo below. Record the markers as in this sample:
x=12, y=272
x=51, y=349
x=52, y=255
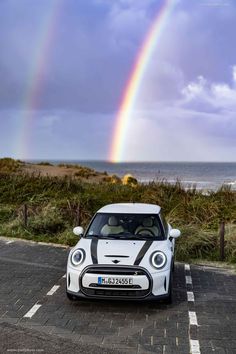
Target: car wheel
x=70, y=296
x=173, y=266
x=169, y=297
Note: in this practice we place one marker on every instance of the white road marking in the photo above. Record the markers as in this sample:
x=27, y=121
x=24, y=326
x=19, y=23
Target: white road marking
x=194, y=347
x=192, y=318
x=53, y=290
x=187, y=267
x=10, y=241
x=64, y=276
x=188, y=279
x=190, y=296
x=194, y=344
x=32, y=311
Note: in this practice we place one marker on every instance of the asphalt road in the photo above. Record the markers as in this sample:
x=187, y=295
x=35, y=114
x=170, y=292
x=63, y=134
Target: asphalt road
x=36, y=316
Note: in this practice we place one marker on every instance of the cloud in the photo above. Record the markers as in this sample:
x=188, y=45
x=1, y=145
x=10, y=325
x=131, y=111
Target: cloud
x=212, y=96
x=199, y=125
x=234, y=74
x=60, y=134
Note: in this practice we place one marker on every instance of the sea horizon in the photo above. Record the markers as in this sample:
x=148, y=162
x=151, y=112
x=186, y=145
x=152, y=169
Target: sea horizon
x=119, y=162
x=195, y=174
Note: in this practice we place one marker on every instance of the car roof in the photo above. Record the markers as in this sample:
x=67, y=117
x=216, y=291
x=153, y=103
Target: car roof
x=130, y=208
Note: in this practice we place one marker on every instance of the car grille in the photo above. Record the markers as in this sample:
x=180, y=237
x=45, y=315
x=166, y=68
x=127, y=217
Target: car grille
x=116, y=270
x=105, y=291
x=116, y=293
x=115, y=286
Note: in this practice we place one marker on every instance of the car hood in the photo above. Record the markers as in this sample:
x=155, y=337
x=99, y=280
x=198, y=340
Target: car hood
x=120, y=252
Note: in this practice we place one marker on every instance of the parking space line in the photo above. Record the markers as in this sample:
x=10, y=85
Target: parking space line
x=187, y=267
x=190, y=296
x=194, y=343
x=188, y=279
x=192, y=318
x=53, y=290
x=32, y=311
x=194, y=346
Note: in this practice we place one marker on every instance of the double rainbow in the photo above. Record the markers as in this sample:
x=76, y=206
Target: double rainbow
x=129, y=96
x=40, y=63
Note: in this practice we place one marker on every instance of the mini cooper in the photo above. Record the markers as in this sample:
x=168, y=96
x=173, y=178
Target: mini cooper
x=127, y=252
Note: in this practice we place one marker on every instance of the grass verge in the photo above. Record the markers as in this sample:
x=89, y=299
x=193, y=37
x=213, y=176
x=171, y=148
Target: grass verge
x=55, y=205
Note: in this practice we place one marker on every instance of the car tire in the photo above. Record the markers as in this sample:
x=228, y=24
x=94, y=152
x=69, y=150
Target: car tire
x=169, y=297
x=173, y=266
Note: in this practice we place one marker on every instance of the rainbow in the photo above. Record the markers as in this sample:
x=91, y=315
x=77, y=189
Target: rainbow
x=129, y=96
x=36, y=78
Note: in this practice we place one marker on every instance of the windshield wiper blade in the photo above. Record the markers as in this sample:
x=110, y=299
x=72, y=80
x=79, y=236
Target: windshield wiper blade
x=128, y=236
x=107, y=237
x=143, y=237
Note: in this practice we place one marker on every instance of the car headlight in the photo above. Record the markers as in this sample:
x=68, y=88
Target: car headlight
x=158, y=259
x=77, y=257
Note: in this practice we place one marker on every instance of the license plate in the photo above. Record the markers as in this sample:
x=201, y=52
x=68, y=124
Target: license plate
x=115, y=281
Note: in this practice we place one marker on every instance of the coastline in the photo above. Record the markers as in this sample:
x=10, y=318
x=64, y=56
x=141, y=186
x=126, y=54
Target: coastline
x=198, y=175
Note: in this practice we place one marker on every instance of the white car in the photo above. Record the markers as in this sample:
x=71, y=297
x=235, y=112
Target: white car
x=127, y=252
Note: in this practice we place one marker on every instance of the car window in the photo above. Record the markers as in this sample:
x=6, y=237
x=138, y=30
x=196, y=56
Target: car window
x=138, y=226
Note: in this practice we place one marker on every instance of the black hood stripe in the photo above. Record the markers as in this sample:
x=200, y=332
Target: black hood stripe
x=142, y=252
x=94, y=250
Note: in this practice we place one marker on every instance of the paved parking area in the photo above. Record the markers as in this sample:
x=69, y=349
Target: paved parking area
x=202, y=318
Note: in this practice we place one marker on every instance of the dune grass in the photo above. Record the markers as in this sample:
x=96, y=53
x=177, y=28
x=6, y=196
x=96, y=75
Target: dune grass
x=55, y=205
x=9, y=165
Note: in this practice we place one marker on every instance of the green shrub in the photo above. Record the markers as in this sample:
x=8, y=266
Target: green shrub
x=44, y=163
x=9, y=165
x=47, y=221
x=6, y=213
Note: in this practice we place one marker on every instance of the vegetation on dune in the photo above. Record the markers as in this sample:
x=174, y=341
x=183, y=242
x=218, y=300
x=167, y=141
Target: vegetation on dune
x=82, y=171
x=56, y=204
x=9, y=165
x=130, y=180
x=44, y=163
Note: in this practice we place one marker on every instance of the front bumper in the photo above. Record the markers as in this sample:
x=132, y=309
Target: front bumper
x=146, y=285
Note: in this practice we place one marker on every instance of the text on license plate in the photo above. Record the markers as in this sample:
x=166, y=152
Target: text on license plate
x=115, y=281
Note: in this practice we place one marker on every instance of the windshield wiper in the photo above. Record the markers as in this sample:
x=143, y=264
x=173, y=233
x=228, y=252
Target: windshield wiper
x=105, y=237
x=141, y=237
x=129, y=237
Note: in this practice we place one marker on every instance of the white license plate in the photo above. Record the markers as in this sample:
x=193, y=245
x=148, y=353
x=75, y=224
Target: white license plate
x=114, y=281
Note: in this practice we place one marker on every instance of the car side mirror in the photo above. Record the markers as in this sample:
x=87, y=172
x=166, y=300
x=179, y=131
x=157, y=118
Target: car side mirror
x=174, y=233
x=78, y=230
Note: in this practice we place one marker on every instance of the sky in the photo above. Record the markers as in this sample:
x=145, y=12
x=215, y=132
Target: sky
x=64, y=66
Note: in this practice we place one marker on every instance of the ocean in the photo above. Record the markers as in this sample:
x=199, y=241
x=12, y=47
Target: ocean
x=202, y=175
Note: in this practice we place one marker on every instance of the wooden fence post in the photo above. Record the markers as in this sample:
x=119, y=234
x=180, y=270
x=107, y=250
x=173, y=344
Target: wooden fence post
x=222, y=241
x=25, y=214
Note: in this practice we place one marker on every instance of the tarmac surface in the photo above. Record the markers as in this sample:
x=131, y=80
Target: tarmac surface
x=37, y=317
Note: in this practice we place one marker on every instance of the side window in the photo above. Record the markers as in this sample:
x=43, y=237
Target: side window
x=165, y=224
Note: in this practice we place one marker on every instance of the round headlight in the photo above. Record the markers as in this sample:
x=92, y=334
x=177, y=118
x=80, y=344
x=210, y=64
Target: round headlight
x=158, y=259
x=77, y=257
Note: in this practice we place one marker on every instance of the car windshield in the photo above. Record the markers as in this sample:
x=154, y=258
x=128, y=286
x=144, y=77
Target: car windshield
x=126, y=226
